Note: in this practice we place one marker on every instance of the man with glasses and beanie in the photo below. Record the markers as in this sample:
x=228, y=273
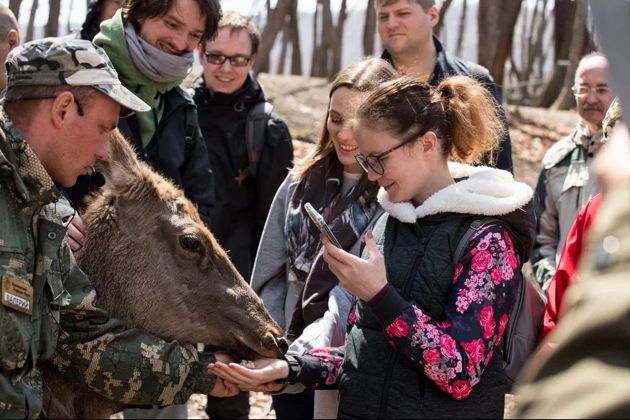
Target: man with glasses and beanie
x=250, y=152
x=565, y=183
x=151, y=45
x=63, y=100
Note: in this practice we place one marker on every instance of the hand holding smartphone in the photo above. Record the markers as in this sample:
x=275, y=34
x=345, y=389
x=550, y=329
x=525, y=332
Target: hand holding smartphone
x=321, y=224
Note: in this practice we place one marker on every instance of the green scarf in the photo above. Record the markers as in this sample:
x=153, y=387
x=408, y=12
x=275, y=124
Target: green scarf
x=112, y=39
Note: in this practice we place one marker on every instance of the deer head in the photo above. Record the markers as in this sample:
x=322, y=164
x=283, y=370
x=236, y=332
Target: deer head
x=157, y=267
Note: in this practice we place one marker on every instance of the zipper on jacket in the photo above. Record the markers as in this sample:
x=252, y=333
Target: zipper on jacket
x=382, y=411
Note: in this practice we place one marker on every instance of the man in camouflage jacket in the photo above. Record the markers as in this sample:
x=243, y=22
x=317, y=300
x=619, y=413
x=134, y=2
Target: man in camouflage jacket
x=63, y=100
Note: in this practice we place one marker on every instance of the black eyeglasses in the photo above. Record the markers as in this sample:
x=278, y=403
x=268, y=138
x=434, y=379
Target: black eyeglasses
x=376, y=161
x=26, y=98
x=238, y=60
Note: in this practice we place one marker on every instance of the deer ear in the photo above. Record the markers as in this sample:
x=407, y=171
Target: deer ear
x=122, y=162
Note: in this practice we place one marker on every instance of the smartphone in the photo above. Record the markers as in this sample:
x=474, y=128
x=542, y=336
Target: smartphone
x=321, y=225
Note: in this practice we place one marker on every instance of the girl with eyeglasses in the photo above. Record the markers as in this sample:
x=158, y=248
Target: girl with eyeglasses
x=427, y=327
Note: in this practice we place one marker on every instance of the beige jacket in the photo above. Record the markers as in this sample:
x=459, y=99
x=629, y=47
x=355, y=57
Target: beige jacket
x=564, y=186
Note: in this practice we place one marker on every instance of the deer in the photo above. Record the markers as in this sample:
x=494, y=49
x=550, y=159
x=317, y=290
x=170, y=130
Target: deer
x=156, y=267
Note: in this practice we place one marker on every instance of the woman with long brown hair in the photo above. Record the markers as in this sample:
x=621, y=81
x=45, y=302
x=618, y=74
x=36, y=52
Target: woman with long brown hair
x=289, y=274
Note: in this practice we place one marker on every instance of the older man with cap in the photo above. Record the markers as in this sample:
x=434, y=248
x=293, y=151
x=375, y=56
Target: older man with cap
x=63, y=100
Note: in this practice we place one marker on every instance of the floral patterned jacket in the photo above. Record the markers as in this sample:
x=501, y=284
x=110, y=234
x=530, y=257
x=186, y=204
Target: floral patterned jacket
x=453, y=353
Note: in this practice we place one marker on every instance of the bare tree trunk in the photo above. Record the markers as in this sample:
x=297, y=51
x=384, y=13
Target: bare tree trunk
x=52, y=27
x=535, y=49
x=68, y=16
x=30, y=29
x=322, y=58
x=283, y=53
x=497, y=19
x=296, y=51
x=579, y=43
x=564, y=13
x=328, y=34
x=462, y=30
x=445, y=5
x=275, y=22
x=533, y=27
x=14, y=5
x=336, y=37
x=317, y=34
x=369, y=29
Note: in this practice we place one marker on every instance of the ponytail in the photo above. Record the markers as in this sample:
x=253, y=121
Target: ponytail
x=472, y=120
x=460, y=111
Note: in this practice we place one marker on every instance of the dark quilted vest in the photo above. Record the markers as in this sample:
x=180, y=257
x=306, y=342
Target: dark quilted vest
x=382, y=384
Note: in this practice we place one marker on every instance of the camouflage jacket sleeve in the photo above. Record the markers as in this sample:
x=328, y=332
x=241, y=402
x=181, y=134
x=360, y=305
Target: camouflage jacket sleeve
x=125, y=365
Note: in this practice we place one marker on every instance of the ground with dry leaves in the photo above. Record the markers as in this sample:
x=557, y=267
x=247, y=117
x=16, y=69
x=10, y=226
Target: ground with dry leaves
x=302, y=102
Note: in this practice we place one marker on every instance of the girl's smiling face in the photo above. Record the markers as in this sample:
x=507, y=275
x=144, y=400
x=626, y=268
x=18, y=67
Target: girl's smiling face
x=344, y=103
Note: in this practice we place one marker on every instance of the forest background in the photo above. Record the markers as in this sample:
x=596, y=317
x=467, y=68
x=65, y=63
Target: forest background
x=531, y=47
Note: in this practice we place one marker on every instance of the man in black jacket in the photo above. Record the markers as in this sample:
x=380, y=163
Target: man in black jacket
x=226, y=94
x=151, y=45
x=406, y=31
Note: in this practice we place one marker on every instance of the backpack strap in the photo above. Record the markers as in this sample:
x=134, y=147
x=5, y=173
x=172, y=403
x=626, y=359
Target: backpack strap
x=474, y=227
x=255, y=129
x=189, y=131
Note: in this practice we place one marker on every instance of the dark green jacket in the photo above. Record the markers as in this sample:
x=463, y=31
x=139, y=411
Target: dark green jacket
x=81, y=340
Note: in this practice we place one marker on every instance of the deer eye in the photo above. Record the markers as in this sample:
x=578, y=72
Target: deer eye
x=190, y=243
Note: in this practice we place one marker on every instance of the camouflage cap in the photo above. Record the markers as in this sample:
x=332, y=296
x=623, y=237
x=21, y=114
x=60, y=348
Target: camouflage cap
x=73, y=62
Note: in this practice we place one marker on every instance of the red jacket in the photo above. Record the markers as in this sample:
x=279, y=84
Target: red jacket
x=566, y=273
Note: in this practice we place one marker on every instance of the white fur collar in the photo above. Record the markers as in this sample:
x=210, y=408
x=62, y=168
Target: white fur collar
x=486, y=191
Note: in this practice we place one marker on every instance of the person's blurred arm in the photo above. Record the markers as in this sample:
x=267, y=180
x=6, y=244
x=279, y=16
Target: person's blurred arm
x=588, y=373
x=570, y=257
x=269, y=275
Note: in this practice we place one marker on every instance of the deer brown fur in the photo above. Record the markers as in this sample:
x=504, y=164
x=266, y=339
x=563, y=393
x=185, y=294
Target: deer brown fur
x=156, y=267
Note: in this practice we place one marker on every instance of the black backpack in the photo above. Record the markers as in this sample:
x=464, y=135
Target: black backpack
x=522, y=333
x=255, y=129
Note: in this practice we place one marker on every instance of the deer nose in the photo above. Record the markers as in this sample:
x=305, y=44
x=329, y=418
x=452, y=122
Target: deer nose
x=281, y=343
